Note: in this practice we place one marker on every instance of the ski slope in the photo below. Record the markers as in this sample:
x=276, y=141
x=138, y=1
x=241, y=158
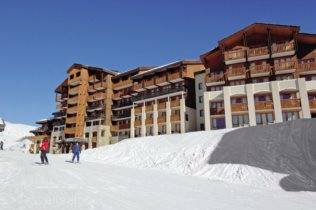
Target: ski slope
x=13, y=136
x=276, y=156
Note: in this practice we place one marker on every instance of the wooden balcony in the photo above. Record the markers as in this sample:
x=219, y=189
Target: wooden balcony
x=100, y=85
x=114, y=127
x=283, y=49
x=70, y=130
x=138, y=110
x=175, y=103
x=96, y=97
x=71, y=120
x=161, y=105
x=290, y=103
x=124, y=126
x=312, y=104
x=175, y=76
x=59, y=106
x=117, y=95
x=93, y=78
x=149, y=108
x=285, y=67
x=175, y=118
x=258, y=53
x=235, y=56
x=137, y=123
x=73, y=100
x=264, y=105
x=150, y=83
x=75, y=81
x=305, y=68
x=73, y=90
x=214, y=79
x=240, y=107
x=236, y=73
x=217, y=111
x=72, y=110
x=149, y=121
x=138, y=87
x=122, y=84
x=162, y=80
x=260, y=70
x=161, y=119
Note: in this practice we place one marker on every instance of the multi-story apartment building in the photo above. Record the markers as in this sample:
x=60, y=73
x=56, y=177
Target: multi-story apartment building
x=164, y=99
x=122, y=103
x=84, y=103
x=264, y=73
x=44, y=131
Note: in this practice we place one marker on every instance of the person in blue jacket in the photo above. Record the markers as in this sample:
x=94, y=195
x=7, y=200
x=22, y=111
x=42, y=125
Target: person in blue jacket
x=76, y=151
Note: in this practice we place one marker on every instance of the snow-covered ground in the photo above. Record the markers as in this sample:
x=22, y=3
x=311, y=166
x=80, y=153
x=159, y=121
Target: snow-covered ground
x=263, y=167
x=14, y=135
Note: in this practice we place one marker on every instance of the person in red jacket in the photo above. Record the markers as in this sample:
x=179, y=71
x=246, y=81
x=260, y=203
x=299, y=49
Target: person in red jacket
x=44, y=149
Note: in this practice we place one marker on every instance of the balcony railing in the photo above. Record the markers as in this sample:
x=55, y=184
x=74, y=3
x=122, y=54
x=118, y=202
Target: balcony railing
x=70, y=130
x=96, y=96
x=95, y=106
x=212, y=78
x=100, y=85
x=147, y=95
x=161, y=79
x=285, y=65
x=73, y=100
x=73, y=90
x=161, y=119
x=162, y=105
x=234, y=72
x=121, y=115
x=137, y=86
x=114, y=127
x=122, y=83
x=95, y=116
x=118, y=105
x=290, y=103
x=175, y=103
x=175, y=117
x=260, y=69
x=149, y=108
x=150, y=82
x=137, y=122
x=264, y=105
x=312, y=104
x=175, y=75
x=259, y=51
x=71, y=120
x=138, y=110
x=149, y=121
x=59, y=114
x=75, y=81
x=283, y=47
x=234, y=54
x=239, y=107
x=305, y=67
x=72, y=109
x=124, y=126
x=217, y=111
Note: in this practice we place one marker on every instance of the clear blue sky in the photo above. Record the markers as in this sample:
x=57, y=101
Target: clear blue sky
x=40, y=39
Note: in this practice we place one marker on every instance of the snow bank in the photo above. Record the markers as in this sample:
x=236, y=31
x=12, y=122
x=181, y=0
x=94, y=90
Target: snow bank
x=275, y=156
x=14, y=135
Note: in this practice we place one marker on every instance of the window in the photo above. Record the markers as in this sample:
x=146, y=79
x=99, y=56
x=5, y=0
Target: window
x=87, y=135
x=200, y=86
x=95, y=134
x=264, y=118
x=202, y=126
x=71, y=76
x=186, y=117
x=55, y=129
x=240, y=120
x=289, y=116
x=96, y=122
x=59, y=138
x=103, y=133
x=200, y=99
x=201, y=113
x=78, y=74
x=216, y=88
x=88, y=124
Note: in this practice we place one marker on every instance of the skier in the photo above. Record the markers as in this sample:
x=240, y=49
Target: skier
x=76, y=151
x=44, y=149
x=1, y=145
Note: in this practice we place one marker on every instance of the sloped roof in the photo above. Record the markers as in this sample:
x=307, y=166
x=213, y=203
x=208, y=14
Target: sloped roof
x=92, y=68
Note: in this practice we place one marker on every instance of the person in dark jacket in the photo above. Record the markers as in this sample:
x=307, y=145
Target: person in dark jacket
x=76, y=151
x=1, y=145
x=44, y=149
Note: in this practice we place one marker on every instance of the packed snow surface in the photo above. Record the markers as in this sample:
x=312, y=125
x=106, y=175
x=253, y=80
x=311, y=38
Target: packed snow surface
x=14, y=135
x=262, y=167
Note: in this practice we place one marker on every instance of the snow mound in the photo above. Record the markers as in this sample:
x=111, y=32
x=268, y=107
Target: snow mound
x=14, y=136
x=275, y=156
